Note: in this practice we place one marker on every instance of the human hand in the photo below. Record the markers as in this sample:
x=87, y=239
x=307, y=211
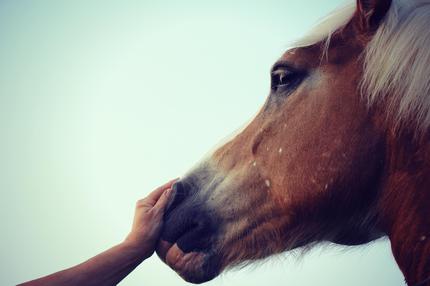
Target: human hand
x=148, y=220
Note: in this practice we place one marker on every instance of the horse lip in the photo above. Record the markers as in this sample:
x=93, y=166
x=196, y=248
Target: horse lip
x=162, y=248
x=180, y=262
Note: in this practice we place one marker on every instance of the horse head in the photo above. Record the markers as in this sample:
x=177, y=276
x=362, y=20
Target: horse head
x=313, y=165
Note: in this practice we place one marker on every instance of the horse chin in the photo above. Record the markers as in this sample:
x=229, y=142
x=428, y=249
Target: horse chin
x=194, y=267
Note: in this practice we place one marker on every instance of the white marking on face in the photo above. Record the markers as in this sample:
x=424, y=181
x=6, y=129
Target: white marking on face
x=267, y=182
x=325, y=154
x=422, y=238
x=254, y=164
x=326, y=187
x=280, y=150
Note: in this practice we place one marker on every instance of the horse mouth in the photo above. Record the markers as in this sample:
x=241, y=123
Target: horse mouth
x=188, y=239
x=194, y=267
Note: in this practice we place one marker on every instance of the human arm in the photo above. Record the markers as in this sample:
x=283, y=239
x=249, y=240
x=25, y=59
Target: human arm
x=111, y=266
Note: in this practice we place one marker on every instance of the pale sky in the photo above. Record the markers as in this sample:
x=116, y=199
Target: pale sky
x=102, y=101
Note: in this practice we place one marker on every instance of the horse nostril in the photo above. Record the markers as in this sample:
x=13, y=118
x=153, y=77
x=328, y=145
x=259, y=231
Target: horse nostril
x=179, y=194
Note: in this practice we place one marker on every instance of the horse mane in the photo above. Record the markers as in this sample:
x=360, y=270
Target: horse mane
x=397, y=64
x=323, y=29
x=396, y=61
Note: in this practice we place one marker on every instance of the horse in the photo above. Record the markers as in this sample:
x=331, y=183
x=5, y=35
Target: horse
x=338, y=153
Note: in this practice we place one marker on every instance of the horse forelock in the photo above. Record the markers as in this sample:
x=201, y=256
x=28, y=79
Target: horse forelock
x=323, y=29
x=396, y=69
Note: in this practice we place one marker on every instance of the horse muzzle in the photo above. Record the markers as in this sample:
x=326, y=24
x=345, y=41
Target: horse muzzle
x=188, y=239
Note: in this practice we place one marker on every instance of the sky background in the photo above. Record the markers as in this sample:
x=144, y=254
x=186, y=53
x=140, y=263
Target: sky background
x=102, y=101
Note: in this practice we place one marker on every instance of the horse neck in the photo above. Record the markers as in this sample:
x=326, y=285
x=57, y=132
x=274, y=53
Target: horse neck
x=405, y=206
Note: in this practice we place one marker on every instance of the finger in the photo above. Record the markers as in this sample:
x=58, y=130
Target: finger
x=155, y=195
x=162, y=201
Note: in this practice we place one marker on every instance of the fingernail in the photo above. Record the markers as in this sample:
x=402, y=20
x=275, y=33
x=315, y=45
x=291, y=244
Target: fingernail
x=167, y=192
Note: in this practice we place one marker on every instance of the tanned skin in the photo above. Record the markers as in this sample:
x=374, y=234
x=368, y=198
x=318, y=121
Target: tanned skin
x=113, y=265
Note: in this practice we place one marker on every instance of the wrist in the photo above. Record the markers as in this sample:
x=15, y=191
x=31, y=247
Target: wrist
x=137, y=248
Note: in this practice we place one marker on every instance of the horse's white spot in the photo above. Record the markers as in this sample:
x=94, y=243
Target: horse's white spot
x=325, y=154
x=267, y=148
x=422, y=238
x=344, y=155
x=280, y=150
x=326, y=187
x=267, y=182
x=254, y=164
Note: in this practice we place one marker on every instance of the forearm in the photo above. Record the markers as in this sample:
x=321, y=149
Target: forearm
x=111, y=266
x=107, y=268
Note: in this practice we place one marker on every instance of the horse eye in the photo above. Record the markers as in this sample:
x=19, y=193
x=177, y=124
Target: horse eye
x=285, y=79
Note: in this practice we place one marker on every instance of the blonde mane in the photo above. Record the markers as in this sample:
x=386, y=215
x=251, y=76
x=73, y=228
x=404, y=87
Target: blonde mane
x=324, y=28
x=397, y=65
x=396, y=61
